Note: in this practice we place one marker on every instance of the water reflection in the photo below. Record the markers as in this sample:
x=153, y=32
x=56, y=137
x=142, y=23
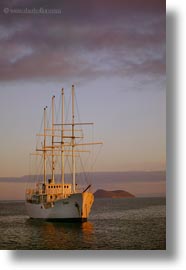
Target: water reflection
x=87, y=228
x=61, y=235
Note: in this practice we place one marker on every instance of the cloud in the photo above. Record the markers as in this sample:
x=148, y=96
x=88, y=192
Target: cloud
x=100, y=38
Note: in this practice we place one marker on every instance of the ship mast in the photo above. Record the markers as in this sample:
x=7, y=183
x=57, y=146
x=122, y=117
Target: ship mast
x=53, y=164
x=73, y=144
x=44, y=151
x=62, y=143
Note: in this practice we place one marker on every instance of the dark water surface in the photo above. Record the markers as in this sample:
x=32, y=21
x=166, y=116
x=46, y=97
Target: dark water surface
x=132, y=224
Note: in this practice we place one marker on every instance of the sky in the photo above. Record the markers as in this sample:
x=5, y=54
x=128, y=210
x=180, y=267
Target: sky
x=112, y=51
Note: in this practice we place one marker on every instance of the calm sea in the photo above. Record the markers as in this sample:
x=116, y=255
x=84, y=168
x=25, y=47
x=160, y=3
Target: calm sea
x=132, y=224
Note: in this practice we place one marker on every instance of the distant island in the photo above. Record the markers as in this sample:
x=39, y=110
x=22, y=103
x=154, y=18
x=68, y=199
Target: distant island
x=101, y=193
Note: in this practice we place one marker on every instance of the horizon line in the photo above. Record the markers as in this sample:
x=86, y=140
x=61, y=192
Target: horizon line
x=128, y=171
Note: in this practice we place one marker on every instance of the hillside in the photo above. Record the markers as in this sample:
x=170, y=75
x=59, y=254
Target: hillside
x=141, y=184
x=101, y=193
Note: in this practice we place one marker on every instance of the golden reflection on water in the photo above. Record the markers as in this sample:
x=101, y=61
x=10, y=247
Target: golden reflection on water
x=87, y=227
x=55, y=234
x=87, y=232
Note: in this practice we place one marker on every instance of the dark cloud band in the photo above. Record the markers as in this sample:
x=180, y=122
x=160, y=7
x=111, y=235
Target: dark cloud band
x=88, y=39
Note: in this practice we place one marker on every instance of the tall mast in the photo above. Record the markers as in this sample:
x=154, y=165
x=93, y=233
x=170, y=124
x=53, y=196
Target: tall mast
x=44, y=152
x=53, y=164
x=73, y=144
x=62, y=142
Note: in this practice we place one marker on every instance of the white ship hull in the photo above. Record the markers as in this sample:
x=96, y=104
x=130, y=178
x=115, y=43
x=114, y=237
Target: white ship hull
x=76, y=207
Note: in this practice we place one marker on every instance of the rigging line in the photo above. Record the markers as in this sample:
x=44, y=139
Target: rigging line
x=41, y=167
x=88, y=175
x=87, y=161
x=41, y=125
x=66, y=163
x=57, y=162
x=32, y=167
x=83, y=170
x=29, y=172
x=97, y=154
x=78, y=114
x=58, y=111
x=69, y=165
x=49, y=116
x=65, y=106
x=49, y=163
x=67, y=109
x=92, y=150
x=77, y=108
x=37, y=168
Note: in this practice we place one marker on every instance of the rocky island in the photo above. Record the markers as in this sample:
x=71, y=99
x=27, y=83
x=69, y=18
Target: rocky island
x=101, y=193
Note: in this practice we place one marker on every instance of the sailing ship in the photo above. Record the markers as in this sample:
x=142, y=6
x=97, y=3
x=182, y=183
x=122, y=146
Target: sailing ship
x=50, y=199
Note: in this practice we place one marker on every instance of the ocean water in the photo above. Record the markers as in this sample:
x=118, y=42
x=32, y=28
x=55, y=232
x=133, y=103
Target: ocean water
x=114, y=224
